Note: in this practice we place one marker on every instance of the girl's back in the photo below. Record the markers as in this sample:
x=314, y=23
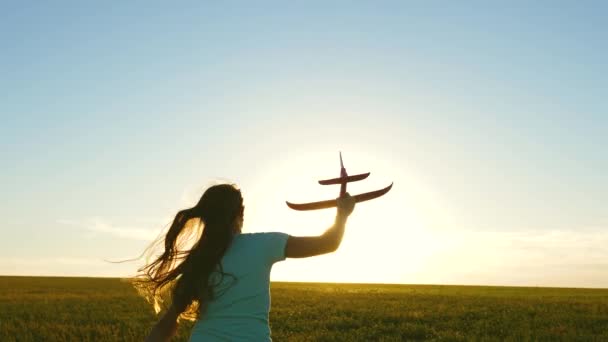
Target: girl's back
x=239, y=311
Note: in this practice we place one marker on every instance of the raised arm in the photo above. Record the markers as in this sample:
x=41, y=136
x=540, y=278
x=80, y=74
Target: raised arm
x=307, y=246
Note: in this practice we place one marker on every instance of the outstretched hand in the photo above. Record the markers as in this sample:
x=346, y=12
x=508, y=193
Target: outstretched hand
x=346, y=205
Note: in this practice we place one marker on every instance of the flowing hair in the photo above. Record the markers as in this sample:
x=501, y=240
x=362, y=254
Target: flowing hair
x=193, y=248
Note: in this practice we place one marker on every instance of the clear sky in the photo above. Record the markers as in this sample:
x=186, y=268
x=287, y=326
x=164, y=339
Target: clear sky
x=491, y=119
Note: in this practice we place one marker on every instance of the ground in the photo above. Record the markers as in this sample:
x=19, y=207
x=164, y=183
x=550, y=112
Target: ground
x=108, y=309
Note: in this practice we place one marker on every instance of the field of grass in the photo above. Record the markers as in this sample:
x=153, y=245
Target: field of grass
x=102, y=309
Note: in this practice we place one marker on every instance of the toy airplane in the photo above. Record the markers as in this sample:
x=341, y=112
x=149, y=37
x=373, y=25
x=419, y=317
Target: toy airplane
x=342, y=180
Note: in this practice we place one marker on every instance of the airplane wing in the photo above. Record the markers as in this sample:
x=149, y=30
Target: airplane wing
x=333, y=203
x=347, y=179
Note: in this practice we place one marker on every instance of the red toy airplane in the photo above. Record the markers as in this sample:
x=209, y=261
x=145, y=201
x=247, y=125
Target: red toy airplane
x=342, y=180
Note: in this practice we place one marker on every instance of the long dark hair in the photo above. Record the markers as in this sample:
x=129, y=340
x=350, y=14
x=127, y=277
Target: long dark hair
x=183, y=271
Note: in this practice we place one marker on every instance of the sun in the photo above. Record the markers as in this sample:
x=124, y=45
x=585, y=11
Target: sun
x=386, y=240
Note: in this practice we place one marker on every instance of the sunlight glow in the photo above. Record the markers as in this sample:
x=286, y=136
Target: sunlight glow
x=387, y=239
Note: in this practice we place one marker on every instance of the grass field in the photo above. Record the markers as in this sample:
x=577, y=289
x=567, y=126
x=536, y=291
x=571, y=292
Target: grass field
x=103, y=309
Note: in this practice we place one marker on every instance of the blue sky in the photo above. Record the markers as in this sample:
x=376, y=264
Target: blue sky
x=116, y=115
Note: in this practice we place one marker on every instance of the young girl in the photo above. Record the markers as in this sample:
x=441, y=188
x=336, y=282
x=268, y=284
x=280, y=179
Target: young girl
x=223, y=280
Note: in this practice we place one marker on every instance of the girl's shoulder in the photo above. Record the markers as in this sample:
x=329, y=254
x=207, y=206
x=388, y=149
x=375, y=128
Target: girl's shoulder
x=262, y=235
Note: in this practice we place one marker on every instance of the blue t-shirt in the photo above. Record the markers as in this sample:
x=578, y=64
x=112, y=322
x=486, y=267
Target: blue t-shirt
x=240, y=310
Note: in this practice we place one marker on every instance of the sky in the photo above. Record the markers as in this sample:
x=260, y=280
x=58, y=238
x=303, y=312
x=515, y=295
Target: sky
x=490, y=119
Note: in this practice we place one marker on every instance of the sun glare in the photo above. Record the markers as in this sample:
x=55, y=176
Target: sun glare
x=387, y=239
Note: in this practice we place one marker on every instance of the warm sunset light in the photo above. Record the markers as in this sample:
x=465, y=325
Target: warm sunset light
x=161, y=165
x=391, y=229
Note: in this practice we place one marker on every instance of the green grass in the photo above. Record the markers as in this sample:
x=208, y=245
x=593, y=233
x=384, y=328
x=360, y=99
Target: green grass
x=103, y=309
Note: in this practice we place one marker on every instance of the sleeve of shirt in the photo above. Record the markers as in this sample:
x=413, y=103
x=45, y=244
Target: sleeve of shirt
x=273, y=245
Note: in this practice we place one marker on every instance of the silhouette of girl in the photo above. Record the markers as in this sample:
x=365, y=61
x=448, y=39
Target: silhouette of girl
x=222, y=280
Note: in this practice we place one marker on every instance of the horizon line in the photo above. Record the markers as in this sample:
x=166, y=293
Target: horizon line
x=336, y=283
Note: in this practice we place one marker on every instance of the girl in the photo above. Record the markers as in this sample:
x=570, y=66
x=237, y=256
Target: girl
x=222, y=280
